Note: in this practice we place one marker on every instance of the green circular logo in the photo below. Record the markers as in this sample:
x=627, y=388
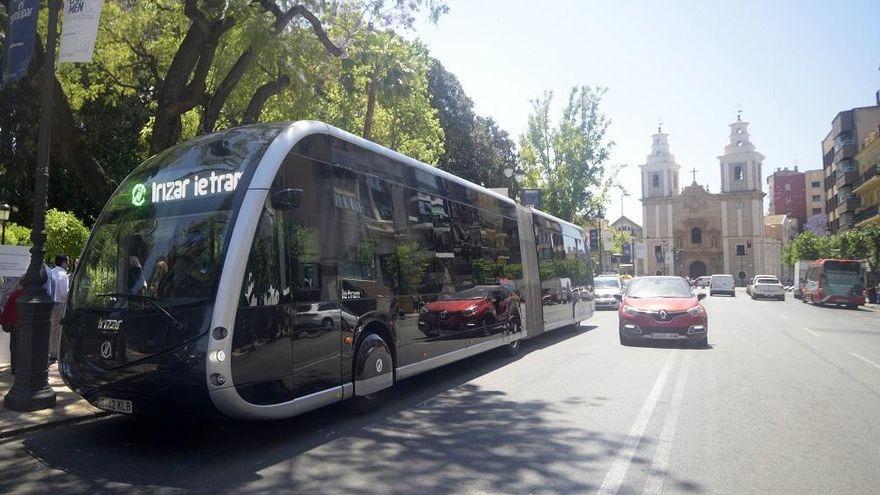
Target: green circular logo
x=139, y=195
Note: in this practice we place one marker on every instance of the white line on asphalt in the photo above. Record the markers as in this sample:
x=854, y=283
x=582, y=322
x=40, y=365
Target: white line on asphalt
x=617, y=471
x=813, y=332
x=657, y=474
x=863, y=358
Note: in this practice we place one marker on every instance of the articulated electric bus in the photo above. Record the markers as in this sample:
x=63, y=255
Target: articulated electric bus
x=268, y=270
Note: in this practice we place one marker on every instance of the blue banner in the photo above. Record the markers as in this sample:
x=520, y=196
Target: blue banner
x=20, y=33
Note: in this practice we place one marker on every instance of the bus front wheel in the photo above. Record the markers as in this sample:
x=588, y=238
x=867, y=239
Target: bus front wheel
x=373, y=374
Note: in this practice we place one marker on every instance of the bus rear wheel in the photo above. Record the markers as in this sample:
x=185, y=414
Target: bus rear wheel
x=513, y=348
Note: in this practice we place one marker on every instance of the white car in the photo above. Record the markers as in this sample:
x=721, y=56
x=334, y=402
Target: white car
x=765, y=286
x=605, y=288
x=722, y=284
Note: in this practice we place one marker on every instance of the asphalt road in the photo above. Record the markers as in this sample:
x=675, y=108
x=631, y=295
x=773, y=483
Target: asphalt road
x=785, y=400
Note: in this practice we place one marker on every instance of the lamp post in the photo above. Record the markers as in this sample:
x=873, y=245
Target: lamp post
x=5, y=209
x=31, y=391
x=518, y=175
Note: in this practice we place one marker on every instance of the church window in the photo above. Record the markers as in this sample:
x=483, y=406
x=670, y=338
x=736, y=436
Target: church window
x=714, y=241
x=739, y=143
x=739, y=131
x=738, y=172
x=655, y=180
x=696, y=236
x=740, y=249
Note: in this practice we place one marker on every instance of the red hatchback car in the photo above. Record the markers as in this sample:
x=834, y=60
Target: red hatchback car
x=662, y=308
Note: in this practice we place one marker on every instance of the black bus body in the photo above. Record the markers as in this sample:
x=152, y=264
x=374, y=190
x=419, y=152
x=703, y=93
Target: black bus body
x=265, y=271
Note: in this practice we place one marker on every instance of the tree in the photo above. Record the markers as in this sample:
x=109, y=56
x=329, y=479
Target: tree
x=619, y=238
x=65, y=234
x=567, y=161
x=169, y=69
x=475, y=148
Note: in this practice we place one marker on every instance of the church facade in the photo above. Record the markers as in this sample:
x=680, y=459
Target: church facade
x=691, y=232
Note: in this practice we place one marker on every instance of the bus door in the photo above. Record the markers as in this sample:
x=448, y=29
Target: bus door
x=309, y=245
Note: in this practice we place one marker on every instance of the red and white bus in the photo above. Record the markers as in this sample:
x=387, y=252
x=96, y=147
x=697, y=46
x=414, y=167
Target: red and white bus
x=834, y=282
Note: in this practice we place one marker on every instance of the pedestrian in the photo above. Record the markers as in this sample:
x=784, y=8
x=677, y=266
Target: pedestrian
x=61, y=283
x=9, y=320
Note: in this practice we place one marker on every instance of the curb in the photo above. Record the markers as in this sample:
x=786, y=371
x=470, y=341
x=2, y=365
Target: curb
x=51, y=424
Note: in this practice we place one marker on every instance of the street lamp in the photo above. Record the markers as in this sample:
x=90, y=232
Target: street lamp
x=5, y=209
x=31, y=391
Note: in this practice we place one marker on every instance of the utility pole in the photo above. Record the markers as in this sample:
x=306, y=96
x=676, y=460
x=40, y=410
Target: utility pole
x=30, y=390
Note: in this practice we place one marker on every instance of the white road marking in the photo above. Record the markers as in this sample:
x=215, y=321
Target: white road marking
x=812, y=332
x=617, y=471
x=657, y=474
x=863, y=358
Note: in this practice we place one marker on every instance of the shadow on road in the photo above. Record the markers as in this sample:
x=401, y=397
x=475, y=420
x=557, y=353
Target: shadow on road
x=437, y=434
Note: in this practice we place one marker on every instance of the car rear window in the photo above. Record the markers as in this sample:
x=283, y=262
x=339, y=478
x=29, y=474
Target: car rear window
x=767, y=281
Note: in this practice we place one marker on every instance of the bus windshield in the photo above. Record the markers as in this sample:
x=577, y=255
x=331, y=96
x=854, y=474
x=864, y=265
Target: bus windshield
x=162, y=235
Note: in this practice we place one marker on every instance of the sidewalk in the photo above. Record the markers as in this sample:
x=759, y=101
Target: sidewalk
x=70, y=407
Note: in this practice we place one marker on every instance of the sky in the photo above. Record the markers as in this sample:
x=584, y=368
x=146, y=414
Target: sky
x=790, y=65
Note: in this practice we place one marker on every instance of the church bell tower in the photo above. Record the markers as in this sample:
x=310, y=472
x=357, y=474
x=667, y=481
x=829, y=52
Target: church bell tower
x=660, y=172
x=741, y=163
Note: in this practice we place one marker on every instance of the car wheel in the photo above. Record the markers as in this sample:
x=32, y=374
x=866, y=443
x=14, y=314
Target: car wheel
x=327, y=323
x=711, y=294
x=373, y=354
x=624, y=340
x=852, y=306
x=702, y=343
x=513, y=348
x=782, y=298
x=753, y=297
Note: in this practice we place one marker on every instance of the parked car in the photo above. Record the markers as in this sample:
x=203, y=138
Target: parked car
x=662, y=308
x=606, y=287
x=766, y=286
x=722, y=284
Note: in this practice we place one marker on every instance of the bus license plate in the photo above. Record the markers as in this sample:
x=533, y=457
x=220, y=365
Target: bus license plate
x=115, y=405
x=670, y=336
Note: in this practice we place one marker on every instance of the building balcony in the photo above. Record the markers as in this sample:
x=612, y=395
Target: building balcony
x=867, y=213
x=847, y=203
x=845, y=151
x=846, y=173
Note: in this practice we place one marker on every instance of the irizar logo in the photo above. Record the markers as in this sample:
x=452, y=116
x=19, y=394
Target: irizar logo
x=139, y=195
x=109, y=324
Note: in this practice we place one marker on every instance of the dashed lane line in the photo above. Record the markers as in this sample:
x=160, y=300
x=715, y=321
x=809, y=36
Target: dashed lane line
x=863, y=358
x=813, y=332
x=617, y=471
x=657, y=474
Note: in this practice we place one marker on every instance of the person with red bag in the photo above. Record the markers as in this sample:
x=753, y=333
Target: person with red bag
x=9, y=319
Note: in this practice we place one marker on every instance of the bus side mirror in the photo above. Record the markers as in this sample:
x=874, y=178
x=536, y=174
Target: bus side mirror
x=286, y=199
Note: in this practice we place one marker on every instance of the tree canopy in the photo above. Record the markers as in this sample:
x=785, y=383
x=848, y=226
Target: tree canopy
x=168, y=70
x=858, y=243
x=568, y=160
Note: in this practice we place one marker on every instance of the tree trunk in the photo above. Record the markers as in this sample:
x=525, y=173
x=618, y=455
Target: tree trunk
x=371, y=109
x=263, y=93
